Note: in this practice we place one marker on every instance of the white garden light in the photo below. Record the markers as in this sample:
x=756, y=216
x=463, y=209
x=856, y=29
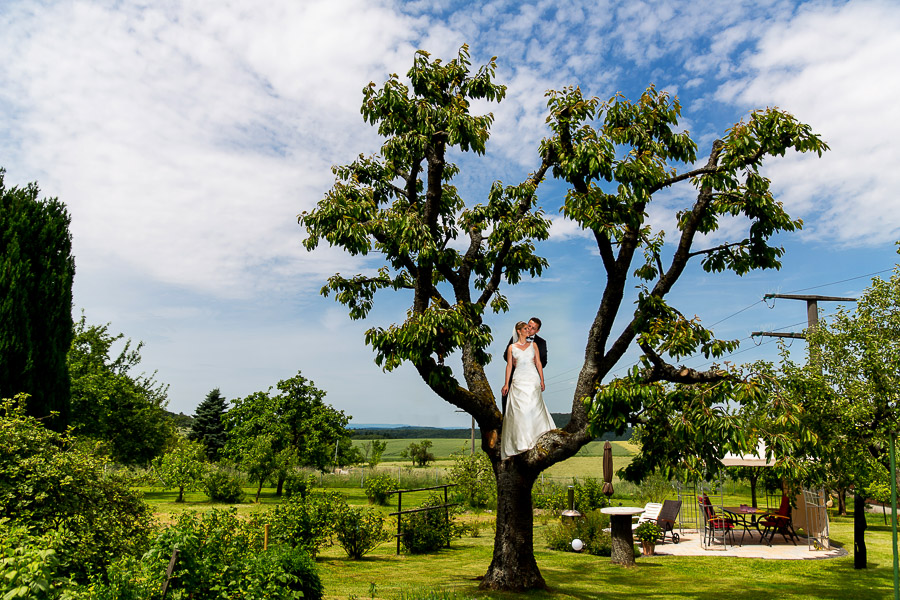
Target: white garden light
x=577, y=545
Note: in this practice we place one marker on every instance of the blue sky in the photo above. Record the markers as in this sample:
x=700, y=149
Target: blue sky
x=185, y=136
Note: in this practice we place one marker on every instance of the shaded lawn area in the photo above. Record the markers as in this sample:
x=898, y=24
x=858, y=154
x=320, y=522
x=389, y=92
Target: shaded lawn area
x=582, y=576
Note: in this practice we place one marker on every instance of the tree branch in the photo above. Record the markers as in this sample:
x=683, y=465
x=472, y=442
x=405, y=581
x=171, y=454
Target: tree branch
x=663, y=371
x=716, y=249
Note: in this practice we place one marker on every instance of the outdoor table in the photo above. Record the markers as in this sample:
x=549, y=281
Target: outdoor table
x=621, y=534
x=739, y=515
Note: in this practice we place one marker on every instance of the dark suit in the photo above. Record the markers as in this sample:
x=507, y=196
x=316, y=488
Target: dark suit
x=542, y=352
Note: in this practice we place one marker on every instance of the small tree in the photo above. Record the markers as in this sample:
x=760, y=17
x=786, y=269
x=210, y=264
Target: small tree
x=373, y=451
x=208, y=426
x=182, y=467
x=113, y=404
x=418, y=453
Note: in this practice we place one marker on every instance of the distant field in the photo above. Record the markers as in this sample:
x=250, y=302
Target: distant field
x=587, y=463
x=443, y=448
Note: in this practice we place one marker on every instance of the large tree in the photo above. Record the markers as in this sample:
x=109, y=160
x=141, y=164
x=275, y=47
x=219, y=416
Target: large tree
x=111, y=402
x=614, y=157
x=36, y=273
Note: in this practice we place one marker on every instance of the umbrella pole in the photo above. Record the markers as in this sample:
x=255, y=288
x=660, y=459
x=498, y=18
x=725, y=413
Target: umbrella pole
x=894, y=518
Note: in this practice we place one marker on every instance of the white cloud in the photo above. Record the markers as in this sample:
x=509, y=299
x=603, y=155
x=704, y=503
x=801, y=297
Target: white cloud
x=833, y=67
x=186, y=137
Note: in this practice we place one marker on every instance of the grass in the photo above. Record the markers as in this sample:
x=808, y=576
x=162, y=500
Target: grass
x=453, y=573
x=582, y=576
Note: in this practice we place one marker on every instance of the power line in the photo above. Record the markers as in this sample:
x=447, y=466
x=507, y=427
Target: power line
x=841, y=281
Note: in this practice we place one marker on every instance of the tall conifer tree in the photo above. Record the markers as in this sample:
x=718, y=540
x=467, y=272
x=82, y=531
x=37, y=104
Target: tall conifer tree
x=208, y=426
x=36, y=274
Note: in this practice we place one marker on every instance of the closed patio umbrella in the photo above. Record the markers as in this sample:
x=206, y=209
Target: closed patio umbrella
x=607, y=470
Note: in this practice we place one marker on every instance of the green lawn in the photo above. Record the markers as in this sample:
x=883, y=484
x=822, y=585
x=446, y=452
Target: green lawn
x=581, y=576
x=570, y=575
x=455, y=571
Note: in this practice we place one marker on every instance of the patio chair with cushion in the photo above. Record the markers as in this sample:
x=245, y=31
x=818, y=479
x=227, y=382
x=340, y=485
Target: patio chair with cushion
x=779, y=522
x=715, y=524
x=667, y=517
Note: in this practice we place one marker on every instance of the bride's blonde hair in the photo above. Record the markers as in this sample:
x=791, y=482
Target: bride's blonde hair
x=520, y=326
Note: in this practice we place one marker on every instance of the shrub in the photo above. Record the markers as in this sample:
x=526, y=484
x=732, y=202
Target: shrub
x=589, y=495
x=648, y=531
x=220, y=556
x=550, y=497
x=304, y=523
x=474, y=477
x=589, y=529
x=222, y=487
x=28, y=564
x=379, y=488
x=47, y=483
x=360, y=530
x=429, y=530
x=298, y=484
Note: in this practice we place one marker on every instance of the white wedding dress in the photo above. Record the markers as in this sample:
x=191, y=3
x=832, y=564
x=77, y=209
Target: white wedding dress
x=527, y=416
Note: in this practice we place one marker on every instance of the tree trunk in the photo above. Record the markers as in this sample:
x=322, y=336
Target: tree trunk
x=513, y=567
x=754, y=478
x=622, y=545
x=280, y=485
x=859, y=531
x=842, y=502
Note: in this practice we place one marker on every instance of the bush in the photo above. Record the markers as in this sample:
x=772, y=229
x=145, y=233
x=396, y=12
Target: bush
x=28, y=564
x=429, y=530
x=589, y=529
x=220, y=556
x=648, y=531
x=589, y=495
x=360, y=530
x=474, y=477
x=48, y=483
x=298, y=484
x=304, y=523
x=550, y=496
x=222, y=487
x=379, y=488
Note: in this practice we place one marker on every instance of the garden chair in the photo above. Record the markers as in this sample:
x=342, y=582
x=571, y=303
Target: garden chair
x=651, y=512
x=666, y=519
x=779, y=522
x=715, y=523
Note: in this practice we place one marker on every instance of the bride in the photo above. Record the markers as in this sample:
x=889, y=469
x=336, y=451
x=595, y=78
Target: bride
x=526, y=415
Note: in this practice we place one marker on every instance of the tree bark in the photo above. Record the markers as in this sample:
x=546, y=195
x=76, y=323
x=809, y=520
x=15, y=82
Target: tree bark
x=754, y=477
x=514, y=567
x=859, y=531
x=622, y=545
x=842, y=502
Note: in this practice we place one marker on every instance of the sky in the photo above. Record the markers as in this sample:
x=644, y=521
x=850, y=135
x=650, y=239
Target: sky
x=185, y=136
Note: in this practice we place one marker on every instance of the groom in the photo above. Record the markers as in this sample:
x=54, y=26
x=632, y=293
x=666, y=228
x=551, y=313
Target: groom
x=534, y=326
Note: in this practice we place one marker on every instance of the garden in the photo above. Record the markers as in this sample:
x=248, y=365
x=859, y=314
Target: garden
x=92, y=532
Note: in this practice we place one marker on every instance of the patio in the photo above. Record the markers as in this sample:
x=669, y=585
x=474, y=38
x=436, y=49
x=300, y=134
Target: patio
x=751, y=548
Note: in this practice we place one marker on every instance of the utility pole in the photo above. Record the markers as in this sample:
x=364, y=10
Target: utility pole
x=812, y=312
